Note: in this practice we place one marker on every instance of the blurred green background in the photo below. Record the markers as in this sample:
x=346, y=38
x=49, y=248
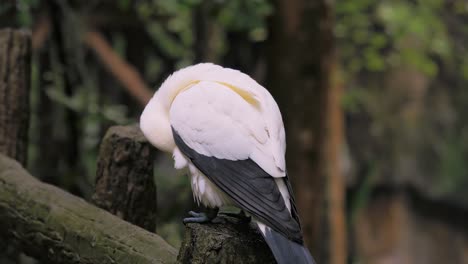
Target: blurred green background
x=402, y=65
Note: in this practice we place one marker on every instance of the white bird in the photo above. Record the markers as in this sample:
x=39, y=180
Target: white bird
x=227, y=129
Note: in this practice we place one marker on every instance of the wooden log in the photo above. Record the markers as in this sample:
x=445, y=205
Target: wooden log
x=228, y=242
x=57, y=227
x=15, y=72
x=124, y=183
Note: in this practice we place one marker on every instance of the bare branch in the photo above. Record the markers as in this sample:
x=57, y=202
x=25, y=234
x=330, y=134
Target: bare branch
x=124, y=72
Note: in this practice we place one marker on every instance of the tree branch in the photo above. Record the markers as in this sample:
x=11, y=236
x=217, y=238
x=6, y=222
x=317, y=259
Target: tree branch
x=41, y=32
x=124, y=72
x=50, y=224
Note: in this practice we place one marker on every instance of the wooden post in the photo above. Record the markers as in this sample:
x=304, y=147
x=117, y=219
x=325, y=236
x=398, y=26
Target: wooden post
x=228, y=242
x=15, y=72
x=124, y=183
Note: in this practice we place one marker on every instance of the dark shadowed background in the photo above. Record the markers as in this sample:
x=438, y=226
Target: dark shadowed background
x=374, y=95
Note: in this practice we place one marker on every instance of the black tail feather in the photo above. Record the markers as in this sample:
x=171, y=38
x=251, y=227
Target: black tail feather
x=285, y=250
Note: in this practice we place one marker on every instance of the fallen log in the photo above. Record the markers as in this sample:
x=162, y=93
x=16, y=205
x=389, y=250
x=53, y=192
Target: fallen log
x=52, y=225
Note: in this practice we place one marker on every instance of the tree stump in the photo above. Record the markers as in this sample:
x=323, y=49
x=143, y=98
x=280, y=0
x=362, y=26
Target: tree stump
x=124, y=183
x=15, y=72
x=229, y=242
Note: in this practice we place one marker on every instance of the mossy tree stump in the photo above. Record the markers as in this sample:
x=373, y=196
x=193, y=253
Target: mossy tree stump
x=124, y=182
x=228, y=242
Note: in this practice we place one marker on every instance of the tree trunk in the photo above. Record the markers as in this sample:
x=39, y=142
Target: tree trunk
x=124, y=182
x=57, y=227
x=15, y=72
x=229, y=242
x=301, y=77
x=336, y=186
x=68, y=60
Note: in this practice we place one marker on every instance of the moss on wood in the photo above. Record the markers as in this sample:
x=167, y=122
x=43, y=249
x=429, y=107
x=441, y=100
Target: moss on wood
x=53, y=225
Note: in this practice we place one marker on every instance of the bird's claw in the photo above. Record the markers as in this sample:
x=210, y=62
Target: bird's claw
x=196, y=218
x=200, y=217
x=196, y=214
x=211, y=217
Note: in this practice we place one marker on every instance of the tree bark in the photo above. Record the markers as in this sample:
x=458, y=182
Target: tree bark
x=301, y=72
x=124, y=183
x=229, y=242
x=15, y=72
x=57, y=227
x=336, y=186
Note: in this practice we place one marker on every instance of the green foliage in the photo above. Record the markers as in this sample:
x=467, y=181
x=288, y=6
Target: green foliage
x=124, y=4
x=377, y=39
x=171, y=23
x=378, y=35
x=24, y=13
x=453, y=166
x=355, y=100
x=418, y=32
x=363, y=193
x=247, y=16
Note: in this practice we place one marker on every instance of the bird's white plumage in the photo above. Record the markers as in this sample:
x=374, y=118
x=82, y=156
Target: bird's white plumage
x=205, y=192
x=218, y=112
x=220, y=124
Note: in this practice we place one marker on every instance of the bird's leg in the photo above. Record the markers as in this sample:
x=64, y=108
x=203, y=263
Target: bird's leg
x=242, y=216
x=210, y=214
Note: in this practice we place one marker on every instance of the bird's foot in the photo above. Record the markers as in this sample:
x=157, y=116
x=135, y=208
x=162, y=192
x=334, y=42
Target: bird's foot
x=207, y=217
x=196, y=218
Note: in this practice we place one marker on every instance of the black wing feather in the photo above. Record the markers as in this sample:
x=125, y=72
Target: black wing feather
x=248, y=185
x=292, y=200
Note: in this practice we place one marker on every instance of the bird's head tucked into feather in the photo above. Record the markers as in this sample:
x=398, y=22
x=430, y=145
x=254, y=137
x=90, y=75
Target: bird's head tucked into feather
x=156, y=117
x=154, y=123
